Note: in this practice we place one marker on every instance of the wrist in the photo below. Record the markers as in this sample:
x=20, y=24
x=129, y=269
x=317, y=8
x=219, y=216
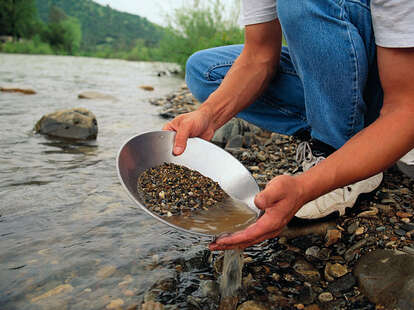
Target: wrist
x=304, y=189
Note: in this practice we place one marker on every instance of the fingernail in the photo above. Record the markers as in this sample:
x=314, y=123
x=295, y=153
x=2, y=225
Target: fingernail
x=178, y=150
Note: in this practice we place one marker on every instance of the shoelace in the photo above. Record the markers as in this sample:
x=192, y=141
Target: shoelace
x=305, y=158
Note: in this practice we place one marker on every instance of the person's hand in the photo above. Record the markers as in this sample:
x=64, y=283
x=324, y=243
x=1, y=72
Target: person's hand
x=198, y=123
x=280, y=200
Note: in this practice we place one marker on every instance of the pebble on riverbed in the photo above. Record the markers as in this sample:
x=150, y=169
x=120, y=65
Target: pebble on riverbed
x=171, y=189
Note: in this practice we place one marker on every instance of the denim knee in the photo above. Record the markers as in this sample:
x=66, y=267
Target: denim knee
x=293, y=14
x=194, y=75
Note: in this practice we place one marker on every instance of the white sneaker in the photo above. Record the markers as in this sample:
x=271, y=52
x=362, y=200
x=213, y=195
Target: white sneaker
x=406, y=164
x=337, y=200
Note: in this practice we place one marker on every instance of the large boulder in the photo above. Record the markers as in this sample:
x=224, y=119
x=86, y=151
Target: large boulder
x=387, y=278
x=77, y=123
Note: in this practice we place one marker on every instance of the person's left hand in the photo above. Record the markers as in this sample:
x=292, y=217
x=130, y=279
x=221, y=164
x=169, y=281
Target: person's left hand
x=280, y=200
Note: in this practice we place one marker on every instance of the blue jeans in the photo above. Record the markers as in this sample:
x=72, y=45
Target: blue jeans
x=327, y=81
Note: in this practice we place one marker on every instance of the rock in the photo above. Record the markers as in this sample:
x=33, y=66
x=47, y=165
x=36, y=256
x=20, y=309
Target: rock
x=349, y=254
x=208, y=288
x=342, y=285
x=333, y=271
x=325, y=297
x=306, y=295
x=403, y=214
x=18, y=90
x=77, y=123
x=95, y=95
x=307, y=271
x=235, y=142
x=115, y=304
x=332, y=236
x=64, y=288
x=146, y=87
x=128, y=293
x=407, y=226
x=251, y=305
x=303, y=230
x=106, y=271
x=370, y=213
x=352, y=228
x=359, y=231
x=387, y=278
x=408, y=250
x=152, y=305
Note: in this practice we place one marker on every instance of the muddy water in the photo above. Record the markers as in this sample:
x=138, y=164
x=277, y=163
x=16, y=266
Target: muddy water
x=229, y=216
x=70, y=238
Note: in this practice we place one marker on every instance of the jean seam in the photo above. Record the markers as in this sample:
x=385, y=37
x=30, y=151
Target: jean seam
x=354, y=102
x=216, y=66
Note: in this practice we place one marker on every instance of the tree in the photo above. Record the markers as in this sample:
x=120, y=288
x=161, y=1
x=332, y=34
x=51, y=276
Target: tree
x=17, y=17
x=65, y=35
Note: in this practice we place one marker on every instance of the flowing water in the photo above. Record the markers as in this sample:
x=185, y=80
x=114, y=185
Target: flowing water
x=231, y=278
x=69, y=235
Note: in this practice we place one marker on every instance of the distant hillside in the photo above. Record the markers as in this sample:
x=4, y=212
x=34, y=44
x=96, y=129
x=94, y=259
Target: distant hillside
x=103, y=26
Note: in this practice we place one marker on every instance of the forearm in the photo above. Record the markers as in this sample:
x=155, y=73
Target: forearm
x=370, y=151
x=249, y=75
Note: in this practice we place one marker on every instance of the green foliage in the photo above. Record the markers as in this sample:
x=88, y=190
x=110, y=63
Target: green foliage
x=34, y=46
x=65, y=35
x=103, y=27
x=17, y=17
x=199, y=26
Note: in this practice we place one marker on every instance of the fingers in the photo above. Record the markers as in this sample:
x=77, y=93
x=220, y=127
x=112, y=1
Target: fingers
x=251, y=234
x=168, y=126
x=219, y=247
x=180, y=143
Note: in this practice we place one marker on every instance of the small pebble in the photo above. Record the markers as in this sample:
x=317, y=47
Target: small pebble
x=325, y=297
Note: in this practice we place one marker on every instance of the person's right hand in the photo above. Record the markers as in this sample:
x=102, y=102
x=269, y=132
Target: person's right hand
x=198, y=123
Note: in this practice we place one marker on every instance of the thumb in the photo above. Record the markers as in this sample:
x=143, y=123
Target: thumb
x=269, y=196
x=181, y=138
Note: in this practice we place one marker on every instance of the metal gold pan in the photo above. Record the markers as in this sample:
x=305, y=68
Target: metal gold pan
x=151, y=149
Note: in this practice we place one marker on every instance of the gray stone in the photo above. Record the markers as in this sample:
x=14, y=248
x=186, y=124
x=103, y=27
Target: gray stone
x=387, y=278
x=77, y=123
x=223, y=134
x=235, y=142
x=399, y=232
x=407, y=226
x=342, y=285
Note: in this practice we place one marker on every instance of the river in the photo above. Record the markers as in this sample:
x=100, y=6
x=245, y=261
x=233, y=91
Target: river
x=70, y=238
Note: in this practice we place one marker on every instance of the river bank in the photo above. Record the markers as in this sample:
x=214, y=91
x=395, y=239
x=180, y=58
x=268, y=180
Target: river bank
x=312, y=265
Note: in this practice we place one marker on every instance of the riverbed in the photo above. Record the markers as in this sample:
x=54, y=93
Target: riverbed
x=69, y=236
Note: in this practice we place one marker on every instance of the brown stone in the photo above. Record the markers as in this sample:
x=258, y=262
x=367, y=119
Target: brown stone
x=18, y=90
x=332, y=236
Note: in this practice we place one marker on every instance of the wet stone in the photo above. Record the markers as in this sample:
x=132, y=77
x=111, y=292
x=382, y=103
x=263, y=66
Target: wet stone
x=325, y=297
x=399, y=232
x=171, y=189
x=387, y=278
x=407, y=226
x=307, y=271
x=342, y=285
